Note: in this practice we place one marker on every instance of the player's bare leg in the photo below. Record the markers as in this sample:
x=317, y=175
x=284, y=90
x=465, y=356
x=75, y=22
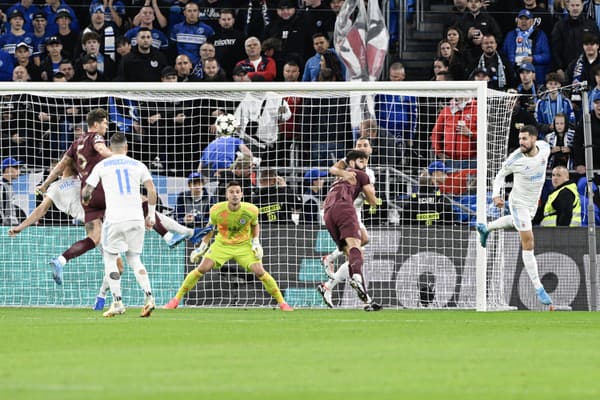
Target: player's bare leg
x=270, y=286
x=93, y=230
x=190, y=281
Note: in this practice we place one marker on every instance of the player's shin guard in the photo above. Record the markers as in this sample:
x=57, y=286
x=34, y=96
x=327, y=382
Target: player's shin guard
x=79, y=248
x=340, y=276
x=271, y=287
x=112, y=274
x=141, y=275
x=188, y=283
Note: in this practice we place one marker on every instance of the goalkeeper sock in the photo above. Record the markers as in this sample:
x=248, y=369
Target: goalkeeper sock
x=271, y=287
x=79, y=248
x=188, y=283
x=501, y=223
x=340, y=276
x=531, y=267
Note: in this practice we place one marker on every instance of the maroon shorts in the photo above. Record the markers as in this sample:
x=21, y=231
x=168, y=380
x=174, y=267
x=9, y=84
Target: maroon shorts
x=95, y=209
x=342, y=223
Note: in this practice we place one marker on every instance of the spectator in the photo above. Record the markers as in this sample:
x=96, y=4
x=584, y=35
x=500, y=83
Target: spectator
x=240, y=74
x=28, y=10
x=51, y=10
x=479, y=19
x=312, y=199
x=10, y=213
x=213, y=71
x=20, y=74
x=331, y=61
x=551, y=104
x=456, y=63
x=500, y=69
x=271, y=47
x=440, y=64
x=39, y=34
x=313, y=64
x=458, y=183
x=578, y=141
x=455, y=36
x=123, y=48
x=319, y=17
x=288, y=143
x=518, y=119
x=189, y=35
x=67, y=36
x=456, y=14
x=23, y=58
x=90, y=73
x=540, y=12
x=67, y=69
x=563, y=206
x=591, y=10
x=255, y=64
x=160, y=22
x=561, y=142
x=567, y=36
x=210, y=11
x=454, y=135
x=472, y=47
x=481, y=74
x=194, y=204
x=228, y=42
x=580, y=69
x=143, y=64
x=427, y=206
x=256, y=19
x=595, y=89
x=207, y=50
x=528, y=87
x=147, y=17
x=277, y=202
x=105, y=64
x=222, y=151
x=386, y=149
x=184, y=68
x=290, y=27
x=528, y=44
x=114, y=13
x=106, y=31
x=242, y=171
x=16, y=33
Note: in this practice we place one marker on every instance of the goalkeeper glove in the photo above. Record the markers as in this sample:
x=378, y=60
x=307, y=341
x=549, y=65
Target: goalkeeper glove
x=257, y=248
x=197, y=253
x=373, y=207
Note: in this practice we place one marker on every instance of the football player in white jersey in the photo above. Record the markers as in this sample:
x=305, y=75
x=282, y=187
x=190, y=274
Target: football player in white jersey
x=339, y=169
x=123, y=228
x=528, y=166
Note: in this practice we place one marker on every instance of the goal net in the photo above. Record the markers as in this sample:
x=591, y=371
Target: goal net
x=423, y=251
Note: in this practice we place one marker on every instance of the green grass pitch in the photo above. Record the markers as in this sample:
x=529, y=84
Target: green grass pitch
x=308, y=354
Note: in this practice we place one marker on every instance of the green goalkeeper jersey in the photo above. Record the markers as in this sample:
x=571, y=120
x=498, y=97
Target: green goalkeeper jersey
x=233, y=227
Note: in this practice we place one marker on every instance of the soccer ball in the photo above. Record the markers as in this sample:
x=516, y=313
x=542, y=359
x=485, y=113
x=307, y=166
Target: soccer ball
x=226, y=124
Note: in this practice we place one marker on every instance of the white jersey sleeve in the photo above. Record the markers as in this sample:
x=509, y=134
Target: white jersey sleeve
x=121, y=178
x=360, y=200
x=65, y=194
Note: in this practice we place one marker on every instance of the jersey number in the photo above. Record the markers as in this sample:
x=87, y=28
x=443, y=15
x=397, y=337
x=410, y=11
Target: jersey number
x=81, y=160
x=120, y=181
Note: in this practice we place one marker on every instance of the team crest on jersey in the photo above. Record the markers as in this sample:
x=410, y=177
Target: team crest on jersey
x=154, y=63
x=242, y=221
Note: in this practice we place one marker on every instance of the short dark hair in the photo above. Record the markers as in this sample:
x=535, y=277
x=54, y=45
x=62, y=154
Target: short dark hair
x=292, y=63
x=118, y=139
x=91, y=35
x=320, y=34
x=96, y=115
x=530, y=129
x=144, y=29
x=553, y=77
x=228, y=11
x=233, y=183
x=356, y=154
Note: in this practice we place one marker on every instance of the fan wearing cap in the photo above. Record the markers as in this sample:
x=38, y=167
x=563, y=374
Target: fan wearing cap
x=10, y=213
x=193, y=205
x=554, y=102
x=28, y=10
x=290, y=27
x=16, y=33
x=107, y=32
x=113, y=12
x=23, y=58
x=89, y=65
x=455, y=183
x=91, y=46
x=528, y=87
x=528, y=44
x=312, y=199
x=51, y=63
x=52, y=8
x=69, y=38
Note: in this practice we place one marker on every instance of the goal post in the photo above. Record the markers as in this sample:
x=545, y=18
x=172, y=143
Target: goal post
x=423, y=250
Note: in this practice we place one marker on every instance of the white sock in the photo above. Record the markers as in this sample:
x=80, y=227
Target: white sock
x=167, y=237
x=340, y=276
x=501, y=223
x=173, y=226
x=104, y=288
x=334, y=255
x=141, y=275
x=111, y=271
x=531, y=267
x=62, y=260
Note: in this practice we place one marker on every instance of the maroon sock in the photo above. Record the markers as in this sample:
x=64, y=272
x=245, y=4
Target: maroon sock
x=158, y=226
x=79, y=248
x=355, y=259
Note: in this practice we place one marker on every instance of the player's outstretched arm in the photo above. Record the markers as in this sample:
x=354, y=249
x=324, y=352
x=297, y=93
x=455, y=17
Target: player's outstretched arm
x=34, y=217
x=54, y=174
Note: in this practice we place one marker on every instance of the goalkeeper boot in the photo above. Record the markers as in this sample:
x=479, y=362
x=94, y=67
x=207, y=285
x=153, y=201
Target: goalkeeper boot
x=543, y=296
x=148, y=307
x=325, y=292
x=483, y=233
x=57, y=270
x=373, y=306
x=172, y=304
x=178, y=238
x=199, y=234
x=285, y=307
x=99, y=304
x=358, y=286
x=328, y=265
x=116, y=308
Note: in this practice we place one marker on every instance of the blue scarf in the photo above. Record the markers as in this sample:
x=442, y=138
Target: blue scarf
x=548, y=111
x=578, y=69
x=500, y=73
x=523, y=45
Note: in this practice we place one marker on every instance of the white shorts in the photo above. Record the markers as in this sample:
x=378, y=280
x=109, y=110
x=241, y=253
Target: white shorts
x=359, y=216
x=522, y=217
x=123, y=236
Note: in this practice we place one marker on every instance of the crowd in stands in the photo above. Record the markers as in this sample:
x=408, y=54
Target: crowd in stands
x=542, y=50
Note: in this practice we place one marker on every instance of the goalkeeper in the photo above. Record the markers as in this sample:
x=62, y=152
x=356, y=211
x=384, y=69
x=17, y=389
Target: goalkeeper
x=237, y=238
